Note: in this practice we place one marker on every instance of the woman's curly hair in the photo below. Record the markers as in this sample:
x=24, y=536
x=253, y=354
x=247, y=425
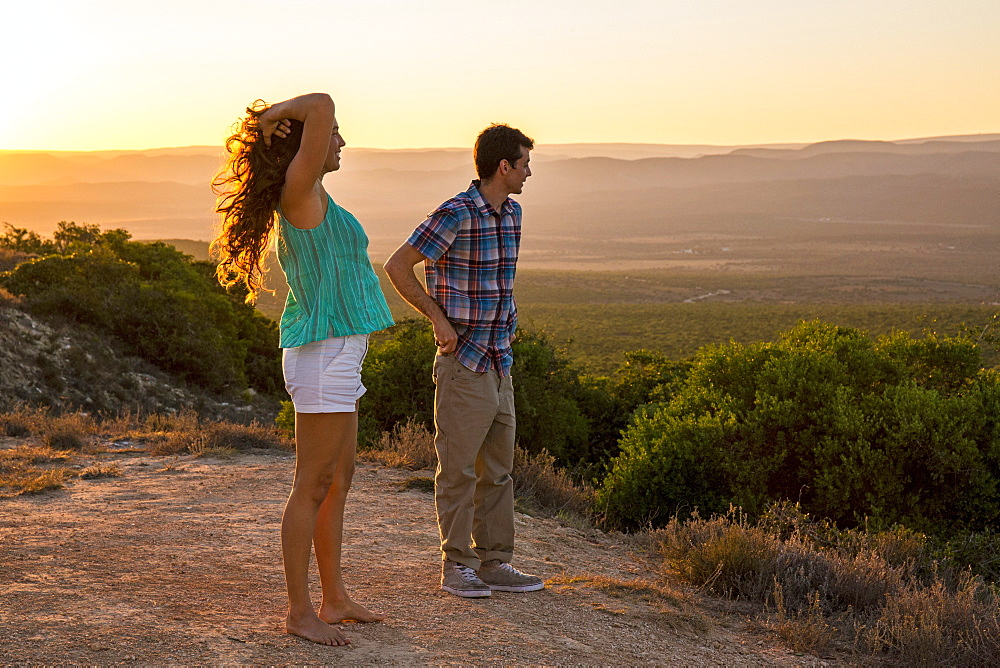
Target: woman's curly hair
x=249, y=188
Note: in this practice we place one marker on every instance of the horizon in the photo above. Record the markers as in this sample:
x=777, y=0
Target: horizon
x=101, y=75
x=971, y=137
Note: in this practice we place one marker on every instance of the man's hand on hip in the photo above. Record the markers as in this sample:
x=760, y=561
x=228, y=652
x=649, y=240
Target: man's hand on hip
x=445, y=336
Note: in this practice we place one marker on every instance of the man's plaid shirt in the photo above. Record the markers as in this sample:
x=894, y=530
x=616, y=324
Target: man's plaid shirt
x=472, y=256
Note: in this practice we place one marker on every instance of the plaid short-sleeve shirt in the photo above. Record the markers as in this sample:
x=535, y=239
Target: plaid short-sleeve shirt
x=471, y=252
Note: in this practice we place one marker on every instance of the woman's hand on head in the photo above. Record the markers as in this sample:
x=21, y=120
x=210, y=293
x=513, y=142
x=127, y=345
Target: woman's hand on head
x=272, y=124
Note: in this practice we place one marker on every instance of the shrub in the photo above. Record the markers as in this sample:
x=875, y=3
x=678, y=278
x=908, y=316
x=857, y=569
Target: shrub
x=398, y=375
x=541, y=486
x=409, y=445
x=933, y=625
x=856, y=430
x=188, y=434
x=546, y=392
x=22, y=421
x=164, y=306
x=825, y=583
x=69, y=431
x=608, y=403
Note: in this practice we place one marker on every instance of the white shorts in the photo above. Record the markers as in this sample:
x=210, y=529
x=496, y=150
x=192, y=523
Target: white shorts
x=325, y=376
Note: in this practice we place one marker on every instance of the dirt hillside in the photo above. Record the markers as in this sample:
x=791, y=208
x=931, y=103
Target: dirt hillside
x=177, y=562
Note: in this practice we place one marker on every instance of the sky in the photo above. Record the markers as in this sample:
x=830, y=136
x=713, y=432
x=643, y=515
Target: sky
x=117, y=74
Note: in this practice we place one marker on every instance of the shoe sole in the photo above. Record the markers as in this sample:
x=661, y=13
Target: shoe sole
x=464, y=593
x=518, y=589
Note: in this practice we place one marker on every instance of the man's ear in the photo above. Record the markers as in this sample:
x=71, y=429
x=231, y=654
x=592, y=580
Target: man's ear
x=504, y=166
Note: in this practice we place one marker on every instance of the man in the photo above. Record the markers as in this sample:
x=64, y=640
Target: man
x=469, y=249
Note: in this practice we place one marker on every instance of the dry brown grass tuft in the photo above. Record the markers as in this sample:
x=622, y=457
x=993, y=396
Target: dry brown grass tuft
x=539, y=485
x=101, y=471
x=641, y=590
x=805, y=630
x=672, y=607
x=186, y=433
x=31, y=480
x=408, y=446
x=935, y=625
x=547, y=488
x=419, y=483
x=870, y=583
x=22, y=455
x=19, y=473
x=22, y=421
x=70, y=431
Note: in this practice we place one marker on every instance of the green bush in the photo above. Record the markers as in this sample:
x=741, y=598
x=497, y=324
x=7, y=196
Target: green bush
x=895, y=430
x=397, y=372
x=608, y=403
x=162, y=305
x=546, y=394
x=398, y=369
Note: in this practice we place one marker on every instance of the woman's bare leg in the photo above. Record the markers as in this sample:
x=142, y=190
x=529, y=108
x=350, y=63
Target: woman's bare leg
x=320, y=442
x=328, y=540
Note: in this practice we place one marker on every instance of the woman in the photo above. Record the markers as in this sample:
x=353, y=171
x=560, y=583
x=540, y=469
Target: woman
x=278, y=157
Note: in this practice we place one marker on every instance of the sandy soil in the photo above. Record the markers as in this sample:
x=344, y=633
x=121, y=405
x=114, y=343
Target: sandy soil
x=176, y=562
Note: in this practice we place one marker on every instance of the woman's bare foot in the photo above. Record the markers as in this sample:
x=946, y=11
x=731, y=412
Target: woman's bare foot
x=315, y=629
x=348, y=610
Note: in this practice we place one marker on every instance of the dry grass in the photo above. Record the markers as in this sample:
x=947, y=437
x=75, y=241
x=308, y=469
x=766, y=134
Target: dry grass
x=418, y=483
x=408, y=446
x=19, y=473
x=539, y=485
x=805, y=630
x=186, y=433
x=69, y=431
x=23, y=421
x=101, y=471
x=936, y=625
x=671, y=606
x=32, y=480
x=876, y=587
x=641, y=590
x=544, y=487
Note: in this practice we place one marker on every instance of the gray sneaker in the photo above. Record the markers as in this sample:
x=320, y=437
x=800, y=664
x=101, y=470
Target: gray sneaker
x=499, y=576
x=462, y=581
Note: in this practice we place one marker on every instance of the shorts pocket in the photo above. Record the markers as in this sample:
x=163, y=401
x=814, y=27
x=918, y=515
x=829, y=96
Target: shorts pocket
x=333, y=349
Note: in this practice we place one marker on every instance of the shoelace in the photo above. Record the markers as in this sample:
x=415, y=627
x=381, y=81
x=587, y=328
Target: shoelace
x=510, y=569
x=466, y=573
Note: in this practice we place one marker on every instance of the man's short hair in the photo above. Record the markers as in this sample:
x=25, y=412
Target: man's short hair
x=496, y=143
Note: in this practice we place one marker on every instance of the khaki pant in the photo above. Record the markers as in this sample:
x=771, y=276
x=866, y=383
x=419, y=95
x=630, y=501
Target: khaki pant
x=474, y=439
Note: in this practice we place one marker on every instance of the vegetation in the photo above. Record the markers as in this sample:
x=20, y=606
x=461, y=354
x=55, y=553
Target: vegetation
x=886, y=431
x=679, y=330
x=397, y=374
x=540, y=485
x=888, y=594
x=162, y=306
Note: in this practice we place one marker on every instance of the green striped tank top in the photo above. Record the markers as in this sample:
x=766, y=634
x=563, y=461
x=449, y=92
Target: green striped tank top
x=332, y=288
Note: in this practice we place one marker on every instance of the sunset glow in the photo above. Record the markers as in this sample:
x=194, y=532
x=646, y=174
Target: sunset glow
x=110, y=75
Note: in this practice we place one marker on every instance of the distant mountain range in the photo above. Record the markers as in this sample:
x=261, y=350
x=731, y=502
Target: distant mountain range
x=578, y=191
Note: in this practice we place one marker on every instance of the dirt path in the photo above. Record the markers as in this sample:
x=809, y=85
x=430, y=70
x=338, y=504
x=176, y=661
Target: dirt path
x=177, y=562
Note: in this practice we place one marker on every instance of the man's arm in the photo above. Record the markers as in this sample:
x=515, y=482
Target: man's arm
x=399, y=268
